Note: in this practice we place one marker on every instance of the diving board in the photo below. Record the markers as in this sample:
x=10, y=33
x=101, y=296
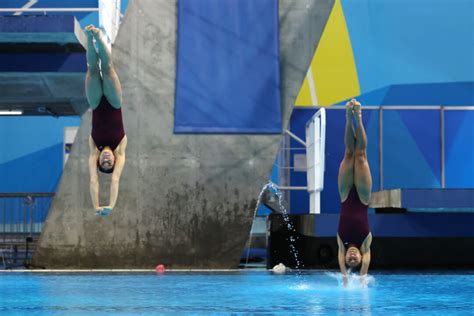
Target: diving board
x=62, y=30
x=424, y=200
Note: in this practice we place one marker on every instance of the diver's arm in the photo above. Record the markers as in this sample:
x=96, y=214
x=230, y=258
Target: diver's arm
x=94, y=178
x=341, y=258
x=118, y=168
x=365, y=251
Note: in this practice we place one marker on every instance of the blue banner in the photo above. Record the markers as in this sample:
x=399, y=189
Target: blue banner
x=228, y=75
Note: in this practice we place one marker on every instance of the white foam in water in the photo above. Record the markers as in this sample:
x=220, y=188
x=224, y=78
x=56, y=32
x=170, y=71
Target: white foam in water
x=353, y=280
x=302, y=287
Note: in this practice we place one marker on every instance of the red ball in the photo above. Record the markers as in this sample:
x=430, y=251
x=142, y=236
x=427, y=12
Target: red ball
x=160, y=268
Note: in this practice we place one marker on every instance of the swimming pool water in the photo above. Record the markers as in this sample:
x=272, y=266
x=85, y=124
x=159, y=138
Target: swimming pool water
x=240, y=292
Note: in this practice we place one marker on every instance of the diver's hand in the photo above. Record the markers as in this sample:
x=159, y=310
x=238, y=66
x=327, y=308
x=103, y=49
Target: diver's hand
x=106, y=210
x=344, y=280
x=103, y=211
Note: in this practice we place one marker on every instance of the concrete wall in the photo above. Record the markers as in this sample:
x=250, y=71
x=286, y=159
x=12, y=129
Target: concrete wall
x=185, y=200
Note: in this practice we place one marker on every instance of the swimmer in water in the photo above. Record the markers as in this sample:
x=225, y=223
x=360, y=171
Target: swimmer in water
x=107, y=141
x=355, y=185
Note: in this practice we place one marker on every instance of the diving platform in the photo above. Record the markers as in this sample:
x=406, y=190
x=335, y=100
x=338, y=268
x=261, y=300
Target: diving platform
x=42, y=65
x=424, y=200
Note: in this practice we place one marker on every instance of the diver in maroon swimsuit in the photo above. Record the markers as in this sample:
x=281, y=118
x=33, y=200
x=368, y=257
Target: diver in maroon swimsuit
x=355, y=184
x=108, y=140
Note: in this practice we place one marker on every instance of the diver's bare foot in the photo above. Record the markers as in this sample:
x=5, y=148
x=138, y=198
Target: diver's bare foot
x=349, y=110
x=356, y=108
x=92, y=30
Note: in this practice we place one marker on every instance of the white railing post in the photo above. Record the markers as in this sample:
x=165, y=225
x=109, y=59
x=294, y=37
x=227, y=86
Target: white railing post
x=315, y=149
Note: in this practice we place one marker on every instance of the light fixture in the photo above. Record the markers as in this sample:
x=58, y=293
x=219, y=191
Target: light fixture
x=11, y=112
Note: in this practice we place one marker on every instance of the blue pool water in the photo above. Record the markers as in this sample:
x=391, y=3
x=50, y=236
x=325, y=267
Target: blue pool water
x=242, y=292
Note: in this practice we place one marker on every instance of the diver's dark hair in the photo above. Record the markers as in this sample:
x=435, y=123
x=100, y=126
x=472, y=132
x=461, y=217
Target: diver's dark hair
x=104, y=170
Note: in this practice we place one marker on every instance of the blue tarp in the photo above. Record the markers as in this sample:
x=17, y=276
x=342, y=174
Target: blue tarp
x=228, y=77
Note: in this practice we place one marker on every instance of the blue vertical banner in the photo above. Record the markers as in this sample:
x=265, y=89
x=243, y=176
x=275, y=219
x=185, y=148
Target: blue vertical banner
x=228, y=73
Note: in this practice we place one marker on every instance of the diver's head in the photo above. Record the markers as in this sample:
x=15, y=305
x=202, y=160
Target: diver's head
x=106, y=161
x=353, y=257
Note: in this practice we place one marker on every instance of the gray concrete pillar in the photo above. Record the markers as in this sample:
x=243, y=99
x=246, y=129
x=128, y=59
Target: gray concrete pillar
x=185, y=200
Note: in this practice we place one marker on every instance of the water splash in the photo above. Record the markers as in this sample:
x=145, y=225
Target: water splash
x=291, y=229
x=259, y=199
x=302, y=287
x=353, y=280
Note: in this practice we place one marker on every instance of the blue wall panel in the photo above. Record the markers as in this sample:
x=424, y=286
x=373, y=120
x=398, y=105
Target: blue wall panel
x=424, y=127
x=32, y=152
x=448, y=93
x=445, y=93
x=459, y=139
x=36, y=172
x=406, y=41
x=405, y=162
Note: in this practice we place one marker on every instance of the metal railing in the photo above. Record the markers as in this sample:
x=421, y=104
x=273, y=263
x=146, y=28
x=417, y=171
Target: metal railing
x=23, y=214
x=441, y=108
x=46, y=10
x=286, y=165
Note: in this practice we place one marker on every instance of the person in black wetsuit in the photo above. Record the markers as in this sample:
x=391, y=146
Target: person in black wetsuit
x=108, y=141
x=355, y=185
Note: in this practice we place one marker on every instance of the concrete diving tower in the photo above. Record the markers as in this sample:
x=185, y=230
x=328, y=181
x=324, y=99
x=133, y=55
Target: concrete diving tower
x=186, y=201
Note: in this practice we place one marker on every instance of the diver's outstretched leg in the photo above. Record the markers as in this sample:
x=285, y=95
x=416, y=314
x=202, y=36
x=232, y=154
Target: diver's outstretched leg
x=346, y=169
x=362, y=176
x=110, y=80
x=93, y=79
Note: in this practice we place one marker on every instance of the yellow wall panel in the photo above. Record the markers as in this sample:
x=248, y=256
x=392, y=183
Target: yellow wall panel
x=304, y=96
x=333, y=67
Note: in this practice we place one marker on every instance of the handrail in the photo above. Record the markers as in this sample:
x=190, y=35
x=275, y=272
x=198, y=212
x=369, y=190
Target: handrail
x=23, y=212
x=26, y=194
x=291, y=188
x=299, y=140
x=50, y=10
x=396, y=107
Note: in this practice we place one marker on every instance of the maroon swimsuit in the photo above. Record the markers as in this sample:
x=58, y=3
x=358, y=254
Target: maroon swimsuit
x=353, y=221
x=107, y=125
